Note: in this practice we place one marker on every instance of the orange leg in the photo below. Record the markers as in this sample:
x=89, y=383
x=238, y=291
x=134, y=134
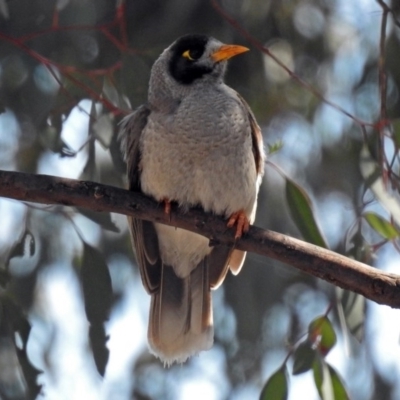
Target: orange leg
x=167, y=206
x=241, y=221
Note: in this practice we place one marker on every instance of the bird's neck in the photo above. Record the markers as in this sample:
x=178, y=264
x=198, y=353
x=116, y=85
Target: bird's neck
x=165, y=94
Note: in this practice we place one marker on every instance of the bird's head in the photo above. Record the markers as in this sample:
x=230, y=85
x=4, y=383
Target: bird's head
x=190, y=60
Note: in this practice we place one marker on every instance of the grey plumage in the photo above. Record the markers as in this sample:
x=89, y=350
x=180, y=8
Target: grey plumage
x=196, y=142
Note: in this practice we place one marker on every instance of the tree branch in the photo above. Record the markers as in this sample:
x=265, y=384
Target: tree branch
x=381, y=287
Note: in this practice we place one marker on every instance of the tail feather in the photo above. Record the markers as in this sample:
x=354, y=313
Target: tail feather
x=180, y=322
x=201, y=303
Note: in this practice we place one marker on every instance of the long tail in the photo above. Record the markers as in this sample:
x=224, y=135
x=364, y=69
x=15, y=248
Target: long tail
x=181, y=321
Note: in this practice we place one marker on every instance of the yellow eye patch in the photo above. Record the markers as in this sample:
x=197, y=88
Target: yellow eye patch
x=186, y=54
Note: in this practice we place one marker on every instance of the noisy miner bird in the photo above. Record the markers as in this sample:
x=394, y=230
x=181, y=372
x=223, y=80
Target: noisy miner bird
x=197, y=143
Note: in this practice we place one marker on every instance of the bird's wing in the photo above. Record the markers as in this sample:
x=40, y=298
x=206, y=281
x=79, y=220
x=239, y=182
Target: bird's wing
x=219, y=262
x=257, y=139
x=143, y=233
x=131, y=129
x=237, y=257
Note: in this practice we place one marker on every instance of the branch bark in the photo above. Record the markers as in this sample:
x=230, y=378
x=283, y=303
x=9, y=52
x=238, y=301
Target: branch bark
x=381, y=287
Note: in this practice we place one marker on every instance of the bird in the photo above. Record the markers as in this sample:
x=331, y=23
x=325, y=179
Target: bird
x=196, y=143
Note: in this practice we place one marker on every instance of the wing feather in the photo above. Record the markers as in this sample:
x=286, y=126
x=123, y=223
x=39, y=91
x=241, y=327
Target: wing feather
x=237, y=257
x=143, y=233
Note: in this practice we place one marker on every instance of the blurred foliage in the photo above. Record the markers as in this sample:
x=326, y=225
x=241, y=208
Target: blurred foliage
x=309, y=355
x=276, y=387
x=70, y=70
x=97, y=295
x=328, y=382
x=302, y=213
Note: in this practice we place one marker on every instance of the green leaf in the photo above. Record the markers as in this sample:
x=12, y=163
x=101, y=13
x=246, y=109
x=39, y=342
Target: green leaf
x=5, y=277
x=98, y=342
x=96, y=285
x=328, y=382
x=274, y=147
x=372, y=175
x=50, y=138
x=97, y=294
x=104, y=130
x=301, y=211
x=322, y=334
x=303, y=358
x=351, y=311
x=276, y=387
x=90, y=171
x=13, y=321
x=339, y=390
x=322, y=379
x=358, y=247
x=381, y=226
x=112, y=94
x=396, y=131
x=103, y=219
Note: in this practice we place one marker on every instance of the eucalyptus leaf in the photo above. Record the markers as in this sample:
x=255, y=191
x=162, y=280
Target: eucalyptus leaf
x=396, y=131
x=351, y=309
x=104, y=130
x=276, y=387
x=304, y=356
x=371, y=173
x=98, y=342
x=381, y=225
x=274, y=147
x=327, y=381
x=322, y=334
x=14, y=321
x=111, y=93
x=96, y=285
x=301, y=211
x=103, y=218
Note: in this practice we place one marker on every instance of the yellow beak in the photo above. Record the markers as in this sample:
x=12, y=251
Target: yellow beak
x=227, y=51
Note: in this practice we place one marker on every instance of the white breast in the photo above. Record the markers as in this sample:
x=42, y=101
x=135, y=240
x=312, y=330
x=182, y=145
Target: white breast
x=181, y=249
x=199, y=155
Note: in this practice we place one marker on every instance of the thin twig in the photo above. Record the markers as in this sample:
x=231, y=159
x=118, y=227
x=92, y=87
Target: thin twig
x=294, y=76
x=387, y=9
x=383, y=123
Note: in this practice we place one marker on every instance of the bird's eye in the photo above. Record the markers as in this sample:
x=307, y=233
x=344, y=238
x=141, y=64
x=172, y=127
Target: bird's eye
x=187, y=55
x=192, y=55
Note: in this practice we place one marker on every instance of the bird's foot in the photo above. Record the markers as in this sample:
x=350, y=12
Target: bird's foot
x=239, y=218
x=167, y=206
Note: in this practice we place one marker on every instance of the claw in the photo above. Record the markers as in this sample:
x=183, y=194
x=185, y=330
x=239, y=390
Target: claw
x=167, y=206
x=241, y=221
